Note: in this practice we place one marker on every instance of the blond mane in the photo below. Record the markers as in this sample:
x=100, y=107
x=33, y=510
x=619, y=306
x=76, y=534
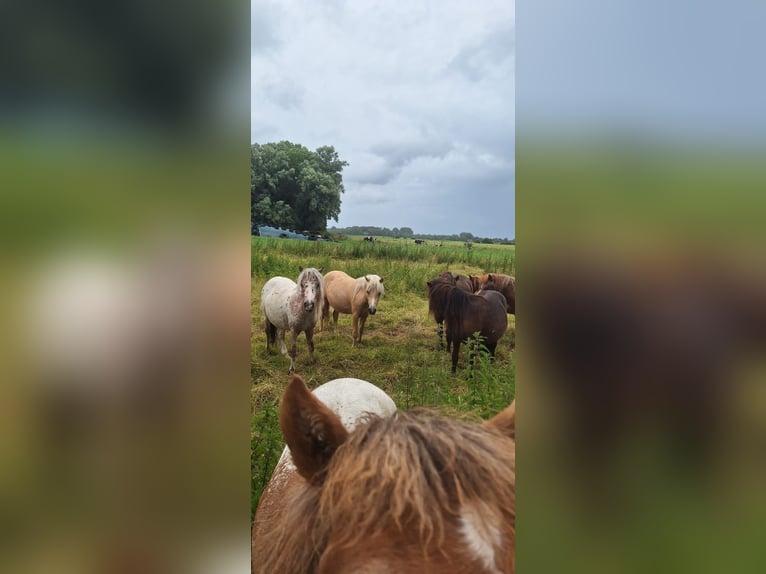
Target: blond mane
x=362, y=284
x=413, y=471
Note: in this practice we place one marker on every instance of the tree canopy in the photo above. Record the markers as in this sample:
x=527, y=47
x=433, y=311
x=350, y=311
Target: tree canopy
x=293, y=187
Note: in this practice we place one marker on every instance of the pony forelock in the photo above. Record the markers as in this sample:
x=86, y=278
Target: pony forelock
x=414, y=470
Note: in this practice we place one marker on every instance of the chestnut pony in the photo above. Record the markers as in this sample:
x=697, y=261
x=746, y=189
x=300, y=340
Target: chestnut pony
x=295, y=307
x=466, y=314
x=356, y=297
x=399, y=492
x=505, y=284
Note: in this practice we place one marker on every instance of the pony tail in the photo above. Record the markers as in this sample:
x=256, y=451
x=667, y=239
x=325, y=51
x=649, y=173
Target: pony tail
x=454, y=316
x=320, y=308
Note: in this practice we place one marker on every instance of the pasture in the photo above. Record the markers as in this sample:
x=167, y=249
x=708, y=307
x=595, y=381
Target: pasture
x=399, y=352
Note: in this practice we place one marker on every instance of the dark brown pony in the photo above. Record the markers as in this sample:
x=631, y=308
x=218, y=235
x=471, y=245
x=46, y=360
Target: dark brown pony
x=505, y=284
x=407, y=493
x=466, y=314
x=462, y=282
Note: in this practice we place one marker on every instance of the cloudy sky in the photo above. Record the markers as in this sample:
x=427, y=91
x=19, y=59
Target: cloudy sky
x=417, y=96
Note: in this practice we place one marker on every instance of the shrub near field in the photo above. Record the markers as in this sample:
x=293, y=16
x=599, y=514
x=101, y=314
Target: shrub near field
x=399, y=350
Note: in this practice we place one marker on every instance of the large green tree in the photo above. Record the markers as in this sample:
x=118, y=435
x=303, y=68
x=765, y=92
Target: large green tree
x=294, y=187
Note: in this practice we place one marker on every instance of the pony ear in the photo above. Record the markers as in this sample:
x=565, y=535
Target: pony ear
x=300, y=268
x=311, y=430
x=428, y=283
x=489, y=277
x=381, y=279
x=320, y=269
x=367, y=278
x=505, y=421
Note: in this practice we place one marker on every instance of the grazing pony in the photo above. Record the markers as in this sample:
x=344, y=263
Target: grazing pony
x=505, y=284
x=404, y=492
x=357, y=297
x=295, y=307
x=461, y=282
x=466, y=314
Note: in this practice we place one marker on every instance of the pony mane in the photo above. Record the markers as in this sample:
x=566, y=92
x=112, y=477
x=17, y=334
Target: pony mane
x=447, y=301
x=438, y=293
x=501, y=281
x=413, y=470
x=362, y=284
x=314, y=273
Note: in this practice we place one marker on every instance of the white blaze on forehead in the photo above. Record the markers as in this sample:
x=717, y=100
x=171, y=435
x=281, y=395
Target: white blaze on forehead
x=350, y=399
x=481, y=533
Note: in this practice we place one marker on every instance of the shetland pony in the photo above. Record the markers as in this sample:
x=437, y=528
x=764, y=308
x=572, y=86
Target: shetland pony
x=295, y=307
x=505, y=284
x=461, y=282
x=356, y=297
x=466, y=314
x=404, y=492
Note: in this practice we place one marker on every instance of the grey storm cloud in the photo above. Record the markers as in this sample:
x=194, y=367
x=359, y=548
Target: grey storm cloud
x=264, y=33
x=399, y=154
x=418, y=100
x=285, y=94
x=479, y=60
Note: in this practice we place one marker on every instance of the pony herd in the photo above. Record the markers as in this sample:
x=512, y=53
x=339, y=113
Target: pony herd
x=364, y=487
x=467, y=304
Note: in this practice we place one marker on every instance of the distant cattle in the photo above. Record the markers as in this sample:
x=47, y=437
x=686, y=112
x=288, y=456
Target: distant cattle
x=370, y=239
x=420, y=241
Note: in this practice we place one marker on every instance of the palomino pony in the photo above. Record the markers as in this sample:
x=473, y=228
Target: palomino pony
x=357, y=297
x=466, y=314
x=461, y=282
x=294, y=307
x=505, y=284
x=404, y=492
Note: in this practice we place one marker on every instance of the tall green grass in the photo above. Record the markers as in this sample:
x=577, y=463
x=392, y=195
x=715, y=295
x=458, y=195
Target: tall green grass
x=399, y=351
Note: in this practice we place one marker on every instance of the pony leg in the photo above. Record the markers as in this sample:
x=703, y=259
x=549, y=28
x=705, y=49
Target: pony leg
x=282, y=346
x=455, y=351
x=269, y=336
x=362, y=321
x=356, y=335
x=440, y=332
x=335, y=314
x=310, y=341
x=325, y=316
x=293, y=351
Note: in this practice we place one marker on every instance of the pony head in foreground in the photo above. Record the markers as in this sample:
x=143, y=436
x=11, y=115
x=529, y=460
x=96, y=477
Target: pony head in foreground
x=412, y=492
x=292, y=306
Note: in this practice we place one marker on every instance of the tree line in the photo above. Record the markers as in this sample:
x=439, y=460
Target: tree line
x=408, y=233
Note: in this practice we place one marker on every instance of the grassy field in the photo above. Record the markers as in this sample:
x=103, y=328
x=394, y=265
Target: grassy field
x=399, y=350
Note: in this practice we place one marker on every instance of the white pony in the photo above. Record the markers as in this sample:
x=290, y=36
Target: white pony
x=356, y=297
x=295, y=307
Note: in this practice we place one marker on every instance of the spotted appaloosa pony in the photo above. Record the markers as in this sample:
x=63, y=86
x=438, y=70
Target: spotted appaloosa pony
x=462, y=282
x=505, y=284
x=294, y=307
x=395, y=492
x=356, y=297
